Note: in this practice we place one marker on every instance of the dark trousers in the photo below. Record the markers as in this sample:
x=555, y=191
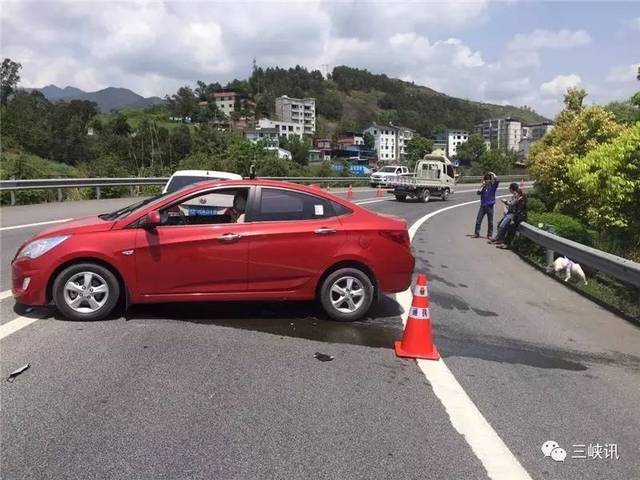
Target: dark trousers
x=488, y=211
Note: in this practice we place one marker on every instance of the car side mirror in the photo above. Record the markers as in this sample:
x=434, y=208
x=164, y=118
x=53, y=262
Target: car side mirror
x=151, y=220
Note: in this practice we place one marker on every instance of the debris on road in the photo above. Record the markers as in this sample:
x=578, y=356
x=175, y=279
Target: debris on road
x=17, y=372
x=323, y=357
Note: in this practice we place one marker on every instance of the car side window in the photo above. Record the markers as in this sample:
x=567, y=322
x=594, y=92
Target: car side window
x=212, y=207
x=282, y=205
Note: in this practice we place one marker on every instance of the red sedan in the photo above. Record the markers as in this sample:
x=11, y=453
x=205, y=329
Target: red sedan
x=232, y=240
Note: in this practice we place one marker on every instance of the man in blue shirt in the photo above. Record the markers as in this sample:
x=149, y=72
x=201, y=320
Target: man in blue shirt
x=487, y=200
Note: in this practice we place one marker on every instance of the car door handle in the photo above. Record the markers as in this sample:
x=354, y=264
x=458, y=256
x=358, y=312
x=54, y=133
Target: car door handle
x=229, y=237
x=325, y=231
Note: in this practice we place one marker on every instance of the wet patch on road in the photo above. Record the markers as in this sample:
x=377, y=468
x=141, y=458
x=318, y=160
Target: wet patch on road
x=453, y=302
x=292, y=319
x=456, y=342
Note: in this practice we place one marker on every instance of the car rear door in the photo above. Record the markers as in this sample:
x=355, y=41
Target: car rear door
x=295, y=237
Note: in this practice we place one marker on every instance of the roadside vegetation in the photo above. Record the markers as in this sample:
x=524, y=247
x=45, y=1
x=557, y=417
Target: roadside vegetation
x=587, y=173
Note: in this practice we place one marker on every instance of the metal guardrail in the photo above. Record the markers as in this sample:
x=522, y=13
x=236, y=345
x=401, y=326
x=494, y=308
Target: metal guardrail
x=60, y=184
x=624, y=270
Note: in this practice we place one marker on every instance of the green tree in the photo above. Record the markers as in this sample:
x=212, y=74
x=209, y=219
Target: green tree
x=608, y=184
x=299, y=148
x=472, y=150
x=577, y=130
x=9, y=78
x=369, y=141
x=494, y=160
x=573, y=99
x=417, y=148
x=183, y=103
x=118, y=125
x=624, y=112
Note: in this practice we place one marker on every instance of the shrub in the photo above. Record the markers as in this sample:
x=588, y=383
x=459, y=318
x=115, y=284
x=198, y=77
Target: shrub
x=535, y=205
x=565, y=226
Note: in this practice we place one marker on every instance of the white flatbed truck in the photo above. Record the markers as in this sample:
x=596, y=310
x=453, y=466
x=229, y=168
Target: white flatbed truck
x=433, y=177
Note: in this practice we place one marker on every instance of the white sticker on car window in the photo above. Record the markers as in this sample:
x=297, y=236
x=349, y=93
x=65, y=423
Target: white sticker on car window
x=319, y=209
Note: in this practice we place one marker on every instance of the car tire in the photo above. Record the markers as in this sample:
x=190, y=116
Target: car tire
x=424, y=196
x=445, y=194
x=330, y=296
x=95, y=305
x=372, y=185
x=401, y=198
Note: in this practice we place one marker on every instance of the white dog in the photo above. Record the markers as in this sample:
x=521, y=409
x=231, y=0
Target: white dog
x=563, y=264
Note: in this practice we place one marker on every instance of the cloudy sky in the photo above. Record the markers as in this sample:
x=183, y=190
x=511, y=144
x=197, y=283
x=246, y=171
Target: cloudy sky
x=523, y=53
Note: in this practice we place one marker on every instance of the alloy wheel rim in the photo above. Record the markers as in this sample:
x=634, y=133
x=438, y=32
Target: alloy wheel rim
x=86, y=292
x=347, y=294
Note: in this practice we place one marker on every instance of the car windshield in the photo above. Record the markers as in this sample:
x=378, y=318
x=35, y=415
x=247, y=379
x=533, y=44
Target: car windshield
x=181, y=181
x=123, y=212
x=388, y=169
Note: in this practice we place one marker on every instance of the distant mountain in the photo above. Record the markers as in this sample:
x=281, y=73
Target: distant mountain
x=53, y=92
x=108, y=99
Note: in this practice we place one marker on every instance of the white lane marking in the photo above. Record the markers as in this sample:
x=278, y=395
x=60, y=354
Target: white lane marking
x=5, y=294
x=14, y=325
x=27, y=225
x=464, y=415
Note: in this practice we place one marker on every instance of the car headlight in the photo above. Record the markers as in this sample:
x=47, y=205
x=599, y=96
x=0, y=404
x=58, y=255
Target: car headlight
x=41, y=246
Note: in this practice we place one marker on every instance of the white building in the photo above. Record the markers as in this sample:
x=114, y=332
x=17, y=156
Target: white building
x=301, y=111
x=452, y=139
x=281, y=152
x=504, y=133
x=404, y=134
x=287, y=129
x=390, y=141
x=270, y=136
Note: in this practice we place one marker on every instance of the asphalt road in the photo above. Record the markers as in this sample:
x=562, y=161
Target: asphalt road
x=232, y=390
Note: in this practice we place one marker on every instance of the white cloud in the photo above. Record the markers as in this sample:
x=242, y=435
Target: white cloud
x=559, y=85
x=623, y=74
x=539, y=39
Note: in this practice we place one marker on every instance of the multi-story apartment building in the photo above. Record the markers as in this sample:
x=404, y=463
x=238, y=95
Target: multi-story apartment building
x=403, y=135
x=532, y=133
x=229, y=102
x=390, y=141
x=452, y=138
x=301, y=111
x=535, y=131
x=287, y=129
x=504, y=133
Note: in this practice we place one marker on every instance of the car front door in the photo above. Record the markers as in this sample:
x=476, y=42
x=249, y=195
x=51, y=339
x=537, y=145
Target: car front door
x=199, y=249
x=295, y=236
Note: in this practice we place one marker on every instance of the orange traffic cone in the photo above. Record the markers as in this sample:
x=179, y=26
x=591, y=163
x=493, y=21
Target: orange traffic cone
x=379, y=191
x=417, y=340
x=349, y=193
x=328, y=188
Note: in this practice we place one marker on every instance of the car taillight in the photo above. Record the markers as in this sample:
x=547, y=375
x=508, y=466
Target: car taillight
x=398, y=236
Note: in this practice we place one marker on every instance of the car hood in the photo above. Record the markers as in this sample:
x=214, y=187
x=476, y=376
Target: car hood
x=77, y=226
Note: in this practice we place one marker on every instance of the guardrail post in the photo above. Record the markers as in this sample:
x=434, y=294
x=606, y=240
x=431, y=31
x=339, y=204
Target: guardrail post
x=12, y=194
x=59, y=194
x=97, y=193
x=550, y=253
x=132, y=190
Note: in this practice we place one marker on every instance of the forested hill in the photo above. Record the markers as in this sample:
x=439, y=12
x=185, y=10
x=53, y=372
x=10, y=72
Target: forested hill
x=351, y=98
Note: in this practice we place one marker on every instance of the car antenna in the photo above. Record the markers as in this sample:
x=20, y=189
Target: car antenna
x=252, y=172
